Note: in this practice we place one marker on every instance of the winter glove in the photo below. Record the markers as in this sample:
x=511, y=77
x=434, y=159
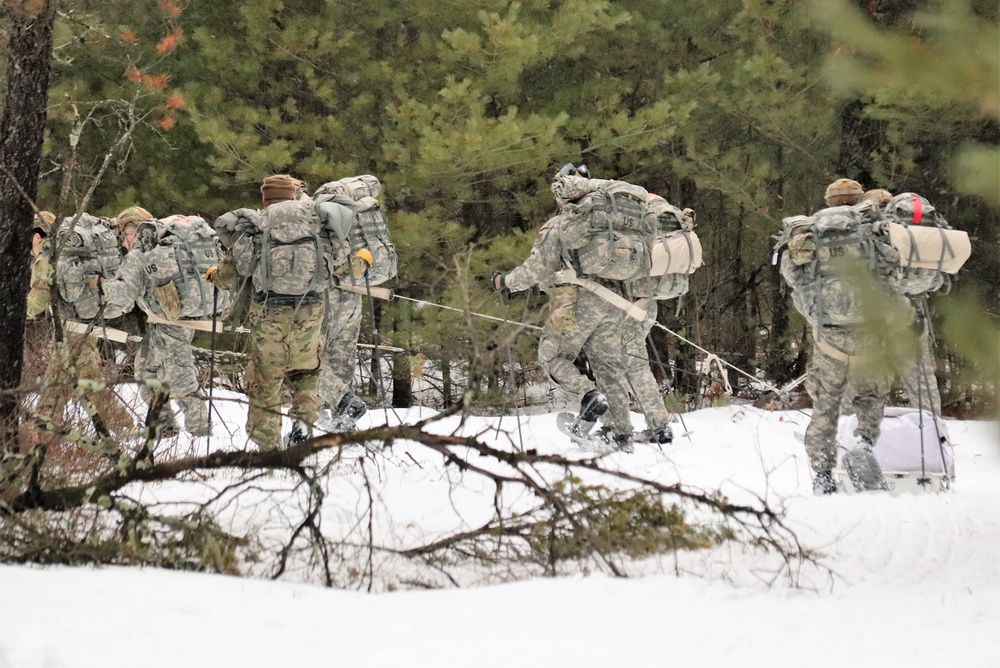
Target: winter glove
x=210, y=272
x=361, y=262
x=498, y=282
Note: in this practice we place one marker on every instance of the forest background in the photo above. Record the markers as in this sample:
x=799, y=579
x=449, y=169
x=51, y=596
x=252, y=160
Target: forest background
x=740, y=109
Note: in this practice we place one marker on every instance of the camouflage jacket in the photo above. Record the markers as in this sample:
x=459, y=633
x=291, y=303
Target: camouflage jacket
x=545, y=260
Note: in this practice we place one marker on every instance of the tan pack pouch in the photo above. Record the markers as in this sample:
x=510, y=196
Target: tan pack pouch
x=563, y=302
x=169, y=300
x=802, y=249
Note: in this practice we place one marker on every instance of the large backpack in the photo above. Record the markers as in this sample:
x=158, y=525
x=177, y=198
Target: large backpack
x=370, y=229
x=186, y=248
x=929, y=250
x=609, y=231
x=822, y=252
x=290, y=251
x=91, y=248
x=676, y=254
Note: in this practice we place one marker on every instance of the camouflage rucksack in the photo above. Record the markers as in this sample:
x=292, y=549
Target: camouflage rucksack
x=675, y=255
x=930, y=251
x=609, y=232
x=370, y=229
x=186, y=247
x=289, y=251
x=91, y=248
x=822, y=252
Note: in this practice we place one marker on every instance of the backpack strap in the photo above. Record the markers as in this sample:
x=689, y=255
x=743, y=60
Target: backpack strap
x=634, y=310
x=830, y=350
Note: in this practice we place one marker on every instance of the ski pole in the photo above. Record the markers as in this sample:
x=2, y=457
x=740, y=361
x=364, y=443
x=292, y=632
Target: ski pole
x=375, y=356
x=211, y=365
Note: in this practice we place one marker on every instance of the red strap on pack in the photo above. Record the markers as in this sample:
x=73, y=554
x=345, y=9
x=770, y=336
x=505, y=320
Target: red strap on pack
x=918, y=210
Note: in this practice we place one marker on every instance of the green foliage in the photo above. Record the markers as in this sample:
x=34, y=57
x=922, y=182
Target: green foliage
x=614, y=523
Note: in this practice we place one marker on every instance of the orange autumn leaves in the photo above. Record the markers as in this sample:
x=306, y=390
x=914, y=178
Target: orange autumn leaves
x=158, y=81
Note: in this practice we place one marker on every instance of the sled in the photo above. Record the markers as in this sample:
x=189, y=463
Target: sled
x=898, y=452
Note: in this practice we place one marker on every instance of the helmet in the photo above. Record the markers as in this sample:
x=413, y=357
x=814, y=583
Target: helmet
x=880, y=196
x=844, y=191
x=133, y=214
x=43, y=222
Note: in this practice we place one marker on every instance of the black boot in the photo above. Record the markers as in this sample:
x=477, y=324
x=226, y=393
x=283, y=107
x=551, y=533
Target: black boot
x=351, y=406
x=593, y=406
x=662, y=435
x=824, y=484
x=301, y=431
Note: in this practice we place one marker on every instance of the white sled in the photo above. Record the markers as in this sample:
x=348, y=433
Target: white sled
x=898, y=452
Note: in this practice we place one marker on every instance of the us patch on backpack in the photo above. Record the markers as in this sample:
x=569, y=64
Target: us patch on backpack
x=370, y=229
x=610, y=231
x=187, y=247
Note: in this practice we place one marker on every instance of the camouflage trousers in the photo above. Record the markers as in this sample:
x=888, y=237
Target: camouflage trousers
x=75, y=358
x=342, y=328
x=860, y=381
x=286, y=345
x=165, y=354
x=640, y=377
x=588, y=323
x=919, y=378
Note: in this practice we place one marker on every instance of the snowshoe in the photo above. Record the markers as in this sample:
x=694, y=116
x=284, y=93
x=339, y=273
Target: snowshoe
x=344, y=418
x=601, y=441
x=863, y=469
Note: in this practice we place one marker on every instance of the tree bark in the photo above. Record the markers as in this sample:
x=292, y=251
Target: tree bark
x=22, y=130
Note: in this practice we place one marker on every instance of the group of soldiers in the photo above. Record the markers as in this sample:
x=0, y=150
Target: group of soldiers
x=174, y=270
x=299, y=255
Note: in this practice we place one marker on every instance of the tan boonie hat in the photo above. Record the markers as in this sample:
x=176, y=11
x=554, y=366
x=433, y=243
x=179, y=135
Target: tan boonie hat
x=844, y=191
x=43, y=222
x=880, y=196
x=280, y=187
x=133, y=214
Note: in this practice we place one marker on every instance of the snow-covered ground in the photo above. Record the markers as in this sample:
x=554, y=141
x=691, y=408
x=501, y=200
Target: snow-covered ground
x=914, y=577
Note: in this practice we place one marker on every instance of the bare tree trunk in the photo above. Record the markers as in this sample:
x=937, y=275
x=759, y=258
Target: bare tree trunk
x=22, y=129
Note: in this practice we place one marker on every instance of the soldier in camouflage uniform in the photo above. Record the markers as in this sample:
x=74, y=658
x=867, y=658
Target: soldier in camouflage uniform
x=165, y=352
x=615, y=344
x=579, y=320
x=76, y=357
x=845, y=366
x=286, y=342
